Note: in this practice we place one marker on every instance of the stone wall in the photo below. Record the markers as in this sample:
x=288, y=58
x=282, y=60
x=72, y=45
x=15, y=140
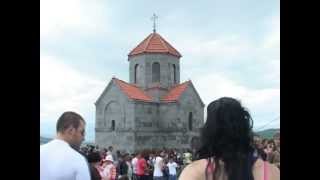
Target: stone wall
x=142, y=125
x=189, y=102
x=145, y=62
x=114, y=105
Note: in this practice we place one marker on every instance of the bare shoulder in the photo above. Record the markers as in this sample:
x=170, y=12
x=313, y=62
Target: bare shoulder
x=274, y=172
x=194, y=171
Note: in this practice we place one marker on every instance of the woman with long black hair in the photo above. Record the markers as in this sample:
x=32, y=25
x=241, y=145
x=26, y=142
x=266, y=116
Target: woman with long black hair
x=226, y=151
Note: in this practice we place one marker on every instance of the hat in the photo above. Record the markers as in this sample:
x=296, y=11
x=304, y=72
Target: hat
x=108, y=158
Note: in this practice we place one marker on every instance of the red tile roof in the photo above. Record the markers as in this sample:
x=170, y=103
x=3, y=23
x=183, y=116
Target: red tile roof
x=132, y=91
x=175, y=92
x=154, y=43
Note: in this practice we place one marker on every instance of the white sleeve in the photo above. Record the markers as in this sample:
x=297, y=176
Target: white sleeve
x=82, y=171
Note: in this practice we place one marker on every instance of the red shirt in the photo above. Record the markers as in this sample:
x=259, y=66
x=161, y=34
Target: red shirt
x=141, y=165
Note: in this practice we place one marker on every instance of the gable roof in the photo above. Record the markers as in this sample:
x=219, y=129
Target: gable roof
x=175, y=92
x=132, y=91
x=154, y=43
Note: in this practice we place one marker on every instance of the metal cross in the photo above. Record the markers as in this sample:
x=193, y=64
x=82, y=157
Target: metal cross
x=154, y=18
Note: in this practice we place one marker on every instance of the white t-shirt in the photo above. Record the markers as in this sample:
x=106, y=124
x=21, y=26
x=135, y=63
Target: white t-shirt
x=157, y=167
x=172, y=168
x=107, y=170
x=134, y=164
x=58, y=161
x=129, y=169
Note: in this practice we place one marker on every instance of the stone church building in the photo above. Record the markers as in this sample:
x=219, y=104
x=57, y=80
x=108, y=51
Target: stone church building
x=153, y=109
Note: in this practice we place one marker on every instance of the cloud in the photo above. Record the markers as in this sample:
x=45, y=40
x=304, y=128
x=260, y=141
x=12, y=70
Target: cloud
x=270, y=50
x=63, y=88
x=239, y=66
x=60, y=17
x=272, y=39
x=223, y=47
x=258, y=101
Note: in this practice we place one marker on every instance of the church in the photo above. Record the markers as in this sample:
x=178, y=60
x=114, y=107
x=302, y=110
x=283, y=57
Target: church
x=153, y=110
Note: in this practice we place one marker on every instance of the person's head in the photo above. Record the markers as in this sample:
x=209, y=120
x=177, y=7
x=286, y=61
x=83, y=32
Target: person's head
x=144, y=154
x=162, y=154
x=276, y=138
x=71, y=128
x=271, y=145
x=256, y=139
x=138, y=154
x=108, y=159
x=227, y=136
x=110, y=148
x=118, y=153
x=94, y=158
x=264, y=143
x=125, y=157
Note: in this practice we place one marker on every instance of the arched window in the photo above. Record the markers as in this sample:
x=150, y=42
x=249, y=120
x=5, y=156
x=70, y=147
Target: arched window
x=190, y=121
x=156, y=72
x=136, y=73
x=113, y=125
x=174, y=74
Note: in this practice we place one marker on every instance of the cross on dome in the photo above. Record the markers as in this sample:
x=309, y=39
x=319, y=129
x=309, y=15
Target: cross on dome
x=154, y=18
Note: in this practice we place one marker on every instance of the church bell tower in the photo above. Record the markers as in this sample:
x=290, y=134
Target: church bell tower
x=154, y=65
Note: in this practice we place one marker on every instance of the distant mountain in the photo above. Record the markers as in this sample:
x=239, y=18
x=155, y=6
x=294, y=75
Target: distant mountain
x=268, y=133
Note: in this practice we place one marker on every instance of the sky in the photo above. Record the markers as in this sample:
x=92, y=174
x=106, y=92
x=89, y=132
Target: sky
x=229, y=48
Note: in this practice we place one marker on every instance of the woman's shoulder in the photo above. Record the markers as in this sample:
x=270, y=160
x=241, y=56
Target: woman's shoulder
x=258, y=169
x=194, y=170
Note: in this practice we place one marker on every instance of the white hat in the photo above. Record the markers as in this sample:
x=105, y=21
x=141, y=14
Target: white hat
x=108, y=158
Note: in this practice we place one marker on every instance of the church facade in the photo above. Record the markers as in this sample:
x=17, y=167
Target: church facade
x=153, y=110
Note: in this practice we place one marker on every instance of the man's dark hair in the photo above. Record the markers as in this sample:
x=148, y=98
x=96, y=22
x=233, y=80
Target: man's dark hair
x=94, y=157
x=68, y=119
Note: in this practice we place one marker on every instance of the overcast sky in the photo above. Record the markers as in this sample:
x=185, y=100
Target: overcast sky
x=228, y=47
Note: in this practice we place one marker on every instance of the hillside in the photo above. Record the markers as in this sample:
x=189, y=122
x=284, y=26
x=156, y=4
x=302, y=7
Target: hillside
x=268, y=133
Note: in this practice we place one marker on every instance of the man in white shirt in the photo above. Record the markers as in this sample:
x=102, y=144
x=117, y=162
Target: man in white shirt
x=134, y=167
x=172, y=169
x=60, y=161
x=158, y=166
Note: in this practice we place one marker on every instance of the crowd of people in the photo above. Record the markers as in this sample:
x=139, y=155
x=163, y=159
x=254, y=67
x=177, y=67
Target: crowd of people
x=268, y=149
x=228, y=151
x=164, y=164
x=109, y=165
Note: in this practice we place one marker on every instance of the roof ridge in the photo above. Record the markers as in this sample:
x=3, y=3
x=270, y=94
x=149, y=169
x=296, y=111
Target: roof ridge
x=132, y=86
x=181, y=84
x=139, y=44
x=172, y=96
x=161, y=46
x=148, y=41
x=163, y=43
x=172, y=47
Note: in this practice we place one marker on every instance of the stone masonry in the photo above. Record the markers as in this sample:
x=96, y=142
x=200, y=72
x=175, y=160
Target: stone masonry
x=147, y=113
